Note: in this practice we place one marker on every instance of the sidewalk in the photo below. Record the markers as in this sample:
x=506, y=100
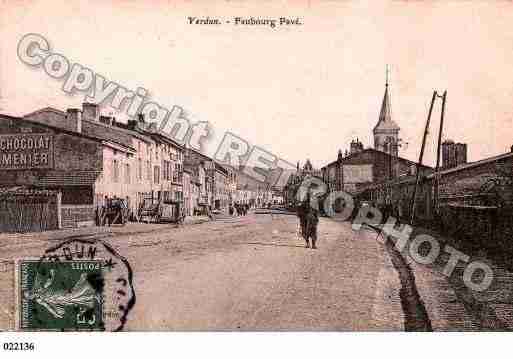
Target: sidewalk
x=452, y=306
x=129, y=228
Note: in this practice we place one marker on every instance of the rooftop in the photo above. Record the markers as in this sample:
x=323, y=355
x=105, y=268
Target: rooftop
x=385, y=121
x=353, y=155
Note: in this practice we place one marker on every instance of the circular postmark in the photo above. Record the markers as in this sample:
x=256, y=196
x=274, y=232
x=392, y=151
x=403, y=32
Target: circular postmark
x=77, y=284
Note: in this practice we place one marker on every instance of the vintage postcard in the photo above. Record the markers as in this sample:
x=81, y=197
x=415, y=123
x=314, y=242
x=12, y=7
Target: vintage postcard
x=249, y=166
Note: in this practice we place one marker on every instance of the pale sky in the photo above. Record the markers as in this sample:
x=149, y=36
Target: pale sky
x=299, y=92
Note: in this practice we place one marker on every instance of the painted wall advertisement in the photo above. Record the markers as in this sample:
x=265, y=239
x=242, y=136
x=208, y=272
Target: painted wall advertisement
x=26, y=151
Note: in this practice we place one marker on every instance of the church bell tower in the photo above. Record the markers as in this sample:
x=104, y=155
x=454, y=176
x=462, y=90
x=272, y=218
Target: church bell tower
x=386, y=131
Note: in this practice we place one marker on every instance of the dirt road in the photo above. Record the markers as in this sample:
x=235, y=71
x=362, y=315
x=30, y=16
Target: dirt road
x=248, y=273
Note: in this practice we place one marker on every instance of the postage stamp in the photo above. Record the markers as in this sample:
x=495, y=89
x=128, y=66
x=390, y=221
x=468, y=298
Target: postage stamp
x=115, y=282
x=60, y=295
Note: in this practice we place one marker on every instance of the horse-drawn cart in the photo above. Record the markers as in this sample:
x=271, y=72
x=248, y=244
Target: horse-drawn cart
x=160, y=211
x=114, y=211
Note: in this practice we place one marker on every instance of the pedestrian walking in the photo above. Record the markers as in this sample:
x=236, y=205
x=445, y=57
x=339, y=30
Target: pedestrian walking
x=308, y=221
x=209, y=214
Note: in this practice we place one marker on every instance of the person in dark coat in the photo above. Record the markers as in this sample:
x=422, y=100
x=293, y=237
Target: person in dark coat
x=308, y=221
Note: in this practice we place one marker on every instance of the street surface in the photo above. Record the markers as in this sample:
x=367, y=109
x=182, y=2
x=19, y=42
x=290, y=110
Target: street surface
x=253, y=273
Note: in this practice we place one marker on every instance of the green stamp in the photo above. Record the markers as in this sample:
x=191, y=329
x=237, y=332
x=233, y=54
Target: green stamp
x=60, y=295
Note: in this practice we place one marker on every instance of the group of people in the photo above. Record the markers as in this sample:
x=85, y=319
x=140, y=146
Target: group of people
x=238, y=209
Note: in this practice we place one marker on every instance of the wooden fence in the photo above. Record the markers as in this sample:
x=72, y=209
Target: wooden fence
x=29, y=212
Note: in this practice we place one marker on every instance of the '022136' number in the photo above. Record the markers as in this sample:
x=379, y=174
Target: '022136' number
x=18, y=346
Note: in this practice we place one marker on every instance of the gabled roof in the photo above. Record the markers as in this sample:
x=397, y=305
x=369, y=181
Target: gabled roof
x=54, y=128
x=106, y=142
x=152, y=130
x=92, y=129
x=191, y=150
x=385, y=121
x=356, y=154
x=219, y=167
x=46, y=109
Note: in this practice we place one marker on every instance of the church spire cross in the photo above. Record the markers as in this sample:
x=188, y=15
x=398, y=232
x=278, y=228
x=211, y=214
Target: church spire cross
x=387, y=72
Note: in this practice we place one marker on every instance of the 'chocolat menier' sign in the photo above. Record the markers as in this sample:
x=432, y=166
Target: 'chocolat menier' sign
x=26, y=151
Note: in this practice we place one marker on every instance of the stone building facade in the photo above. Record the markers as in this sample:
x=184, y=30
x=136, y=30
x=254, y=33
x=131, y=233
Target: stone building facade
x=142, y=163
x=65, y=161
x=94, y=157
x=222, y=189
x=203, y=169
x=361, y=170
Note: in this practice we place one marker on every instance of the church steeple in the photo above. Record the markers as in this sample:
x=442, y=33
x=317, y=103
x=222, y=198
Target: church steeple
x=386, y=130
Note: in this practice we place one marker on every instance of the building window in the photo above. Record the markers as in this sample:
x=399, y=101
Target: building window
x=164, y=170
x=115, y=171
x=177, y=174
x=156, y=174
x=148, y=171
x=127, y=173
x=139, y=170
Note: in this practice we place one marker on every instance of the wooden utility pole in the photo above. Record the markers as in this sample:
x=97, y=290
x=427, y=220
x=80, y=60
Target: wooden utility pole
x=419, y=164
x=436, y=201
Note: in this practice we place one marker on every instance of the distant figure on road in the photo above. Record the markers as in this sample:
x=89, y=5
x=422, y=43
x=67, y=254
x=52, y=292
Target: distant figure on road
x=308, y=220
x=209, y=214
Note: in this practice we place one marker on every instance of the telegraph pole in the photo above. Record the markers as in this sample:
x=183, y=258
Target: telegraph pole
x=437, y=175
x=419, y=164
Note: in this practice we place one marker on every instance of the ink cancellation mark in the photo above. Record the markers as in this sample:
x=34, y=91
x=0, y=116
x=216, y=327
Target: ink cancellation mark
x=58, y=286
x=61, y=295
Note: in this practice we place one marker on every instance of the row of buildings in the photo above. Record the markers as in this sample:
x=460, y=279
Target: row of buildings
x=86, y=158
x=467, y=196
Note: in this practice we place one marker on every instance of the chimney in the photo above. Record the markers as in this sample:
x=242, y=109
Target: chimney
x=355, y=146
x=90, y=111
x=448, y=154
x=453, y=154
x=339, y=155
x=461, y=153
x=74, y=115
x=132, y=125
x=141, y=123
